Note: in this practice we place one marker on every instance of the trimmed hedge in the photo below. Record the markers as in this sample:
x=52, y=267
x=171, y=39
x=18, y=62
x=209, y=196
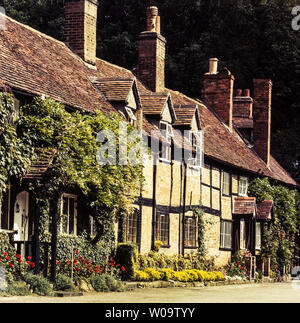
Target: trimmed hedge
x=127, y=256
x=188, y=275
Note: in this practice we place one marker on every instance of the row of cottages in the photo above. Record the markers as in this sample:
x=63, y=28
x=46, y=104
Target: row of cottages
x=236, y=128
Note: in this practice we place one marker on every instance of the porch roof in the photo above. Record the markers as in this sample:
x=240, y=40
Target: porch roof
x=265, y=210
x=244, y=205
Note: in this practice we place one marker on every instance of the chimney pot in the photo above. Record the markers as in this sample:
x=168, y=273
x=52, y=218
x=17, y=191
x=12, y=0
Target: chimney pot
x=213, y=65
x=238, y=92
x=153, y=20
x=247, y=92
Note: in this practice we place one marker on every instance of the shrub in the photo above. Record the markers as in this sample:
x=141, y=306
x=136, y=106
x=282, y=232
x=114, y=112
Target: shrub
x=127, y=256
x=63, y=283
x=38, y=284
x=189, y=275
x=17, y=288
x=157, y=245
x=106, y=283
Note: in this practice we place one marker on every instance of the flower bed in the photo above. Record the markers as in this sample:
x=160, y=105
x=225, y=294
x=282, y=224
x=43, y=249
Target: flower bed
x=188, y=275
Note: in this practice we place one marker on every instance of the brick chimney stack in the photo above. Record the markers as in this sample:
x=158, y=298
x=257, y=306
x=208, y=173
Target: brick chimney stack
x=81, y=28
x=242, y=104
x=152, y=53
x=262, y=118
x=218, y=91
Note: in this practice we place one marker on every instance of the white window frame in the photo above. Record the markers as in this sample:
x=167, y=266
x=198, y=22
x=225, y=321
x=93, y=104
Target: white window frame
x=167, y=133
x=131, y=116
x=225, y=234
x=243, y=186
x=61, y=231
x=258, y=235
x=196, y=140
x=229, y=183
x=242, y=234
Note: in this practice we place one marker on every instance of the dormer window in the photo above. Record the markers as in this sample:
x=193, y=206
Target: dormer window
x=130, y=116
x=167, y=134
x=195, y=138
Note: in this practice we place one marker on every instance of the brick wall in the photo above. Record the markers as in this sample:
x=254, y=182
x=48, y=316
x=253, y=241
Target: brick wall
x=262, y=118
x=218, y=94
x=81, y=28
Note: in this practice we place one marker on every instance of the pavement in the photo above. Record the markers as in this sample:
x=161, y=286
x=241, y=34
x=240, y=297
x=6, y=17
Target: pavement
x=284, y=292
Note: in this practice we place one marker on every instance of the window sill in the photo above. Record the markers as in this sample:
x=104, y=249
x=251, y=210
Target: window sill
x=190, y=247
x=165, y=246
x=165, y=161
x=225, y=249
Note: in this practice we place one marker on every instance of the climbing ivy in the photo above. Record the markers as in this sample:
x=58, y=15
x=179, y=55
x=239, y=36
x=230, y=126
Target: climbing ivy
x=278, y=240
x=15, y=154
x=45, y=124
x=199, y=214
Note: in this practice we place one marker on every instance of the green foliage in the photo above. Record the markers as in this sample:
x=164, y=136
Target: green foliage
x=16, y=288
x=106, y=283
x=278, y=237
x=14, y=153
x=188, y=275
x=126, y=256
x=198, y=212
x=63, y=283
x=175, y=262
x=39, y=284
x=15, y=266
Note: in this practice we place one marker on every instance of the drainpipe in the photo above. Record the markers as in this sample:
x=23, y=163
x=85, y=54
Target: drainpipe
x=154, y=200
x=184, y=204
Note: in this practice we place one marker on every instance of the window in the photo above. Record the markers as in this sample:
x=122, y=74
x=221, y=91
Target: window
x=130, y=115
x=196, y=140
x=226, y=234
x=162, y=228
x=93, y=228
x=167, y=134
x=132, y=227
x=68, y=216
x=242, y=234
x=257, y=235
x=226, y=183
x=190, y=232
x=243, y=186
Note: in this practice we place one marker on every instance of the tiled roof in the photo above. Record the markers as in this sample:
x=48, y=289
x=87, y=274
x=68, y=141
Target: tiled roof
x=115, y=89
x=184, y=114
x=153, y=104
x=225, y=145
x=38, y=64
x=35, y=63
x=265, y=210
x=244, y=205
x=40, y=165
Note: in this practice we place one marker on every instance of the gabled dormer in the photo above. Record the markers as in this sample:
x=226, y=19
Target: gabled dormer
x=188, y=123
x=123, y=94
x=159, y=110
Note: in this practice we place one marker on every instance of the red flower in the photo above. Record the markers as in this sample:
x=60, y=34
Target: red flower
x=77, y=252
x=19, y=256
x=77, y=268
x=20, y=260
x=32, y=265
x=118, y=265
x=10, y=264
x=123, y=268
x=68, y=262
x=29, y=258
x=75, y=261
x=5, y=253
x=7, y=258
x=58, y=262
